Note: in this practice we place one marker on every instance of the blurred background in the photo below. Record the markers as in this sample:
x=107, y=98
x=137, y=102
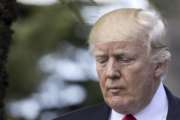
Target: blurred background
x=50, y=69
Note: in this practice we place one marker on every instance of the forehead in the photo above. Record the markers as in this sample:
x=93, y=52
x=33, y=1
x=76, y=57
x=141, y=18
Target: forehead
x=116, y=47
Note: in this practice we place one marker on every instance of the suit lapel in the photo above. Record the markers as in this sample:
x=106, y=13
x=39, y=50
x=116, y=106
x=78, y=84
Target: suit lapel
x=102, y=113
x=173, y=106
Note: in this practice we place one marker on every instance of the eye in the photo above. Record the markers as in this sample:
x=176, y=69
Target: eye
x=101, y=59
x=124, y=59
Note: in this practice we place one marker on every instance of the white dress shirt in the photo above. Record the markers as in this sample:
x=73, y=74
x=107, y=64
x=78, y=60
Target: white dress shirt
x=156, y=110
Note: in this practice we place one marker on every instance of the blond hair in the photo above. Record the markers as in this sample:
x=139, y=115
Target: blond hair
x=133, y=24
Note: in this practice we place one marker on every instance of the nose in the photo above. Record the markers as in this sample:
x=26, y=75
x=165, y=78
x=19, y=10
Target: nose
x=113, y=70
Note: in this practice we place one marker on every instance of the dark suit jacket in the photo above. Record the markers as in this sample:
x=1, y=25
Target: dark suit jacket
x=102, y=111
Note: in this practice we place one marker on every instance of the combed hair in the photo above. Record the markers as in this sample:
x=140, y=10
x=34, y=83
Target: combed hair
x=156, y=34
x=134, y=24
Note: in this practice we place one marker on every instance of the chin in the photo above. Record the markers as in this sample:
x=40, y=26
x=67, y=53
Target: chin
x=120, y=105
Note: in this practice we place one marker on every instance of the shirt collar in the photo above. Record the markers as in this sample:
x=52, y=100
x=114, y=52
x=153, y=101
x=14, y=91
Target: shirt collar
x=157, y=108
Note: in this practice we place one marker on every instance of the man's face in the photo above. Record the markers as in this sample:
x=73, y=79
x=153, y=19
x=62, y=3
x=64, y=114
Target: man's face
x=126, y=74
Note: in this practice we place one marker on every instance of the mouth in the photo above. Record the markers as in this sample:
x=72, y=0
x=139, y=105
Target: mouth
x=116, y=90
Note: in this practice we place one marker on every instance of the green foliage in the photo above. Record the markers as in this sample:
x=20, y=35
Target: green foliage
x=39, y=31
x=35, y=35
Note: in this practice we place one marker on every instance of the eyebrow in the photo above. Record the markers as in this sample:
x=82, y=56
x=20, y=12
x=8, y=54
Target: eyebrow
x=98, y=52
x=117, y=52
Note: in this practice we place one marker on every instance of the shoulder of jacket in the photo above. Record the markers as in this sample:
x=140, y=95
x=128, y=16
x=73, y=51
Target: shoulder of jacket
x=78, y=114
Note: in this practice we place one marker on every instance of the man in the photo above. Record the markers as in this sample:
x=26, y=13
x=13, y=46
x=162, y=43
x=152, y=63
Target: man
x=132, y=58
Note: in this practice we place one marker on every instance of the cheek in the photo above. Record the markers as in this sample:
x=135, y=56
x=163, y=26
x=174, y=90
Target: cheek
x=100, y=72
x=137, y=76
x=101, y=76
x=140, y=70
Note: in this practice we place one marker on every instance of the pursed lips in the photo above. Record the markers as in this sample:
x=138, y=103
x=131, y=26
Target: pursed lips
x=115, y=89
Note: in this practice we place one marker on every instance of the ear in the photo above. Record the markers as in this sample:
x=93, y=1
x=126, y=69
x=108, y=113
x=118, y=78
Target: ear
x=161, y=68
